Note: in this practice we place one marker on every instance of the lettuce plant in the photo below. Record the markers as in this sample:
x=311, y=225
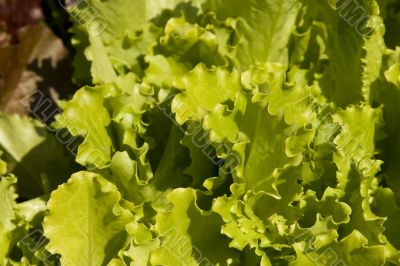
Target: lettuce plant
x=214, y=132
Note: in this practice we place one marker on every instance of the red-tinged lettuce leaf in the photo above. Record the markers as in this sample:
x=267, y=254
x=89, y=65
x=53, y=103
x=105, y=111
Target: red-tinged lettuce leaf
x=15, y=15
x=39, y=59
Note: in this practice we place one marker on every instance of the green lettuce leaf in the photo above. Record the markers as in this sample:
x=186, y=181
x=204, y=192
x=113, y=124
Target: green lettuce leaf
x=96, y=221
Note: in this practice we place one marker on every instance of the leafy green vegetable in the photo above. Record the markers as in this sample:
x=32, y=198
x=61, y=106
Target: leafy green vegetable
x=214, y=132
x=98, y=234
